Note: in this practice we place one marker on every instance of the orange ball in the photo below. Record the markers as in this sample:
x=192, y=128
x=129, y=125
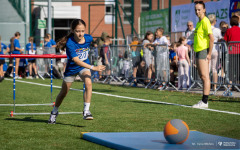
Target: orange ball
x=176, y=131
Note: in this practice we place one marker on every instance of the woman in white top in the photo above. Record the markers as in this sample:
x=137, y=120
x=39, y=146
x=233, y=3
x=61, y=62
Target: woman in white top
x=214, y=60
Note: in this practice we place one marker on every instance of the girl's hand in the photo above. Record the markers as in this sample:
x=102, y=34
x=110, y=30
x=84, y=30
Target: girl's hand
x=209, y=57
x=99, y=68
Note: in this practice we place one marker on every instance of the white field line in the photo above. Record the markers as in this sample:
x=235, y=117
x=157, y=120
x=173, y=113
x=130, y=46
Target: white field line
x=137, y=99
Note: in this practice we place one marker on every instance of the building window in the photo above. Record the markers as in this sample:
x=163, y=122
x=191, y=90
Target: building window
x=127, y=7
x=145, y=5
x=109, y=10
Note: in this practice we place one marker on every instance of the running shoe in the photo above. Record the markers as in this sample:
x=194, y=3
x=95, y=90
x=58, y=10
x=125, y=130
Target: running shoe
x=200, y=104
x=52, y=118
x=87, y=115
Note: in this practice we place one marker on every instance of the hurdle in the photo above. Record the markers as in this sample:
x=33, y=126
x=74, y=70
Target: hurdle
x=14, y=56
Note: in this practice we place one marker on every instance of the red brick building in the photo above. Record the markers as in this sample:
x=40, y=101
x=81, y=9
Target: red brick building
x=99, y=15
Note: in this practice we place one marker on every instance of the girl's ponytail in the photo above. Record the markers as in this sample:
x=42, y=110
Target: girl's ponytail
x=61, y=44
x=12, y=44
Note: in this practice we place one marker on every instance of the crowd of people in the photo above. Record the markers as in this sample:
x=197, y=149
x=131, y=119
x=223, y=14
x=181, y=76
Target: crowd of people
x=23, y=67
x=142, y=52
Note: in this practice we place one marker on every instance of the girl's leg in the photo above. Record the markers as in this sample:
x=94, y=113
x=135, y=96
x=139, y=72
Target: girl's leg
x=30, y=69
x=17, y=66
x=35, y=68
x=65, y=88
x=149, y=73
x=135, y=73
x=86, y=77
x=1, y=70
x=214, y=63
x=186, y=75
x=180, y=74
x=63, y=93
x=203, y=70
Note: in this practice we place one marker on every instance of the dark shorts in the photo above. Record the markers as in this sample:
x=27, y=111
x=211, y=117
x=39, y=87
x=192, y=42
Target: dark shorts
x=32, y=61
x=202, y=54
x=2, y=61
x=136, y=61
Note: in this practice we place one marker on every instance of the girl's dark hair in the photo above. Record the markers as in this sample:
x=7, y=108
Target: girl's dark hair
x=12, y=44
x=62, y=42
x=234, y=21
x=222, y=23
x=31, y=40
x=147, y=34
x=181, y=39
x=202, y=3
x=17, y=34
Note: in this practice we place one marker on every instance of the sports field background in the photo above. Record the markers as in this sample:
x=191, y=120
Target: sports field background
x=111, y=114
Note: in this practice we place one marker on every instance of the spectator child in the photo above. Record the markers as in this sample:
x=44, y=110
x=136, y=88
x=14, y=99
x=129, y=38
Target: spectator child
x=148, y=55
x=135, y=58
x=183, y=64
x=2, y=60
x=31, y=48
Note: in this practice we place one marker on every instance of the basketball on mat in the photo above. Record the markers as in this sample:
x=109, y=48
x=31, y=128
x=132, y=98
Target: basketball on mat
x=176, y=131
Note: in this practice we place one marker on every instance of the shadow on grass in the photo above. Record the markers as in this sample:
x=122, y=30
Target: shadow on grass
x=156, y=103
x=231, y=101
x=29, y=119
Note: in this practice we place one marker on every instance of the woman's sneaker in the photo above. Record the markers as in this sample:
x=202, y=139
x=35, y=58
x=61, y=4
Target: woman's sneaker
x=87, y=115
x=52, y=118
x=200, y=104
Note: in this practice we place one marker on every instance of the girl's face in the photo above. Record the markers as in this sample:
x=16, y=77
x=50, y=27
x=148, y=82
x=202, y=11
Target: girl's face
x=199, y=10
x=150, y=37
x=79, y=31
x=158, y=33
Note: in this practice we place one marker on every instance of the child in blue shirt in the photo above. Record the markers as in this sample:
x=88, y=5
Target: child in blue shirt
x=2, y=60
x=51, y=40
x=47, y=46
x=77, y=45
x=31, y=49
x=15, y=48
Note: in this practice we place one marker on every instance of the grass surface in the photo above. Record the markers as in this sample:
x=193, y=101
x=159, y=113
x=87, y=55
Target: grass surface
x=111, y=114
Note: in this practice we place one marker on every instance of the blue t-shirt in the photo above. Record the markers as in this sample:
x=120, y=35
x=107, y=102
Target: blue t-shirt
x=172, y=54
x=16, y=44
x=48, y=44
x=53, y=42
x=3, y=47
x=74, y=49
x=29, y=48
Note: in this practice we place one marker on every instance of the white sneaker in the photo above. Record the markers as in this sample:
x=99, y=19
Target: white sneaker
x=200, y=104
x=29, y=77
x=17, y=77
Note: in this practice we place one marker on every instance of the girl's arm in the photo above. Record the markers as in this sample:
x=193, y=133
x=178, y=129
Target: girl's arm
x=85, y=65
x=7, y=50
x=106, y=59
x=18, y=49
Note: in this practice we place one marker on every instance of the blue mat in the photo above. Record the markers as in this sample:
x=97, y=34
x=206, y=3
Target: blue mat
x=156, y=140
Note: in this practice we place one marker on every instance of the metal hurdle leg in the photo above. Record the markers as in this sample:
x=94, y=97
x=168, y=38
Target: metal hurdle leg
x=12, y=113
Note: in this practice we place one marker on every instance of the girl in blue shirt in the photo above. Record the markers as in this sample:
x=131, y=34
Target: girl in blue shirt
x=2, y=60
x=77, y=45
x=31, y=49
x=15, y=48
